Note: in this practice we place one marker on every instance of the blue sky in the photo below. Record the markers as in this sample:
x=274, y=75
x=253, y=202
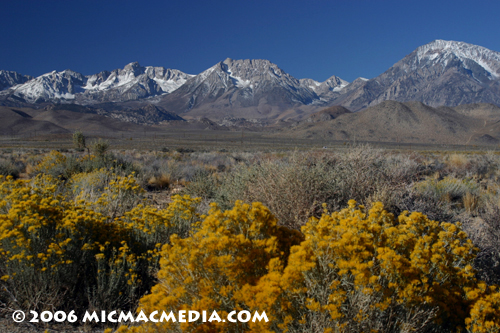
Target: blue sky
x=308, y=39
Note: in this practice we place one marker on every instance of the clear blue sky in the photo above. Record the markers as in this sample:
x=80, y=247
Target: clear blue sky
x=308, y=39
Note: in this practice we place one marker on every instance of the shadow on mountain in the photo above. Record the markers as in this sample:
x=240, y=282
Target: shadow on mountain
x=408, y=122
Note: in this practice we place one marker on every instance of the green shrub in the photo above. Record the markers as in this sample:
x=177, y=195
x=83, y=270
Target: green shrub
x=204, y=184
x=448, y=189
x=99, y=147
x=294, y=187
x=7, y=168
x=79, y=140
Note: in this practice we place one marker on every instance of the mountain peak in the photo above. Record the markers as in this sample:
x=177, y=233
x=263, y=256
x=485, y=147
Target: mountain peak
x=438, y=73
x=462, y=48
x=132, y=65
x=442, y=51
x=134, y=68
x=446, y=44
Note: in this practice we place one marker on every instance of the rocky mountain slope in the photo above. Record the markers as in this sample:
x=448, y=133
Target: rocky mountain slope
x=148, y=114
x=326, y=90
x=327, y=114
x=63, y=119
x=405, y=122
x=388, y=121
x=133, y=82
x=17, y=122
x=248, y=89
x=9, y=79
x=439, y=73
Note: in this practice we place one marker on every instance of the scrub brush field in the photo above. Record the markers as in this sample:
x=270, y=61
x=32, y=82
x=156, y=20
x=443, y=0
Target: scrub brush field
x=346, y=239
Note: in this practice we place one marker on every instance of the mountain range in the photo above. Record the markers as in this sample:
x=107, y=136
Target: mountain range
x=441, y=73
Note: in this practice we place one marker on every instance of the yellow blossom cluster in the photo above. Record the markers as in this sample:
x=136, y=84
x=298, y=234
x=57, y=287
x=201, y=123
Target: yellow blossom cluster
x=361, y=270
x=57, y=251
x=106, y=192
x=484, y=317
x=153, y=227
x=50, y=161
x=90, y=239
x=355, y=270
x=208, y=270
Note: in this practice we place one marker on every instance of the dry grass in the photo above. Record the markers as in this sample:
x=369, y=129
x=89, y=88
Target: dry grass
x=161, y=182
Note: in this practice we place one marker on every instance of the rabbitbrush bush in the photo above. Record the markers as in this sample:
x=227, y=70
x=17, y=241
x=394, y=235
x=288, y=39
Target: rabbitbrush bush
x=64, y=166
x=356, y=270
x=212, y=268
x=60, y=251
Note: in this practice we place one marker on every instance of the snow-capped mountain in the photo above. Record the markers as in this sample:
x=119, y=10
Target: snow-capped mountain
x=9, y=79
x=50, y=86
x=326, y=90
x=439, y=73
x=443, y=53
x=244, y=83
x=259, y=87
x=130, y=83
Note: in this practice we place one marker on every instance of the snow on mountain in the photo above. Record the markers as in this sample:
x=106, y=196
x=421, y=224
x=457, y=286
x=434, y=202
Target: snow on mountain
x=310, y=84
x=53, y=85
x=243, y=83
x=333, y=83
x=250, y=73
x=167, y=79
x=327, y=90
x=439, y=73
x=256, y=77
x=249, y=83
x=442, y=52
x=9, y=79
x=131, y=82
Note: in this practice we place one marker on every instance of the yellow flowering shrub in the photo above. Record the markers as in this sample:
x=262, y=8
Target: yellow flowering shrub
x=88, y=241
x=119, y=278
x=365, y=271
x=484, y=316
x=43, y=241
x=357, y=270
x=208, y=271
x=61, y=253
x=64, y=166
x=106, y=192
x=52, y=161
x=151, y=226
